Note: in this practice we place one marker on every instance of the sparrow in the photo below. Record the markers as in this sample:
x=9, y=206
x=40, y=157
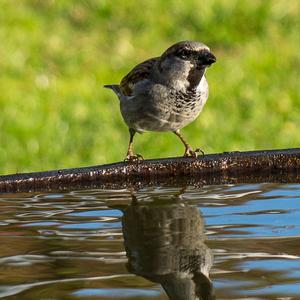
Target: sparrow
x=165, y=93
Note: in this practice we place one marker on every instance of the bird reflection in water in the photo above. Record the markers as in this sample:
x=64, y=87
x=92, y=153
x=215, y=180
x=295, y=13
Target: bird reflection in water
x=165, y=243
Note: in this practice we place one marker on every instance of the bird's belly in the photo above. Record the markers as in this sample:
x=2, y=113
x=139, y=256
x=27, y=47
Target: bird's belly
x=162, y=119
x=168, y=113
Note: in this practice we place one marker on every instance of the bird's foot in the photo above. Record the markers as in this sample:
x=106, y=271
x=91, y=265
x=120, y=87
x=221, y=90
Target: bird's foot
x=189, y=152
x=133, y=158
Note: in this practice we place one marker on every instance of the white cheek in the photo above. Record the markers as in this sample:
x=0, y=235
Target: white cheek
x=202, y=86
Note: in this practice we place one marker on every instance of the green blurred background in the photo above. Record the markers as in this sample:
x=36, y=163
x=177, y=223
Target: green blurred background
x=55, y=56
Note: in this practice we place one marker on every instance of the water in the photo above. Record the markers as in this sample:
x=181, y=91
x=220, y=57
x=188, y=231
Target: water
x=230, y=241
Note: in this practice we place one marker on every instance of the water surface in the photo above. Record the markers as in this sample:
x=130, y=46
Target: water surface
x=227, y=242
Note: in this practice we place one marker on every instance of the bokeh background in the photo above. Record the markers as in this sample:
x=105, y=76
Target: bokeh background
x=55, y=56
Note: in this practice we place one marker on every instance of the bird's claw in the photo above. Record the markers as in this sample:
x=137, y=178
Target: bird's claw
x=189, y=152
x=133, y=158
x=198, y=150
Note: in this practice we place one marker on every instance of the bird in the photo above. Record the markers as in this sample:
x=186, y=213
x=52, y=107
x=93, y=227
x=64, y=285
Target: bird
x=165, y=93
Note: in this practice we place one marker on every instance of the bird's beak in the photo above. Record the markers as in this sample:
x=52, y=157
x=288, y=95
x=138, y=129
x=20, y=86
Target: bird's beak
x=205, y=59
x=208, y=58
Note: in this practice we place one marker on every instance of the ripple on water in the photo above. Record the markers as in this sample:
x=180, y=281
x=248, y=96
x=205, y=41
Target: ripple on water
x=84, y=244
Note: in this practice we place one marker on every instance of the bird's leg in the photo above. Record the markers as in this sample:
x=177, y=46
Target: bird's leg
x=188, y=149
x=130, y=156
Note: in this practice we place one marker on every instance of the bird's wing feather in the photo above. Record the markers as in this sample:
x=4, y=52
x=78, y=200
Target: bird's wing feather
x=137, y=74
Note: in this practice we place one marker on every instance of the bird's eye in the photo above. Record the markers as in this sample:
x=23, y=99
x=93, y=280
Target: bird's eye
x=184, y=54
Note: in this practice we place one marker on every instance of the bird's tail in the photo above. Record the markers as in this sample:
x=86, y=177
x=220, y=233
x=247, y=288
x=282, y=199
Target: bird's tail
x=115, y=88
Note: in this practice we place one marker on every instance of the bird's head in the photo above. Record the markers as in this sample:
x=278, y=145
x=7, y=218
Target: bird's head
x=184, y=63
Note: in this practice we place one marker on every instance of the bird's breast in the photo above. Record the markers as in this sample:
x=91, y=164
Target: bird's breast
x=160, y=108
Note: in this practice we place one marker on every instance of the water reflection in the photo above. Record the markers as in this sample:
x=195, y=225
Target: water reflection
x=165, y=243
x=72, y=245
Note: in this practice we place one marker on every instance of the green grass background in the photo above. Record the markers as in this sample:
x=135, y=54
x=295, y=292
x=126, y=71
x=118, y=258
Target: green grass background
x=55, y=56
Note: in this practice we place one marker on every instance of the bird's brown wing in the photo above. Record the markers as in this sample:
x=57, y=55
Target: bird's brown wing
x=138, y=73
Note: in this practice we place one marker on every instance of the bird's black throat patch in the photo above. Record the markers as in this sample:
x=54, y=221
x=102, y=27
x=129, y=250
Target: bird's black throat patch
x=194, y=77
